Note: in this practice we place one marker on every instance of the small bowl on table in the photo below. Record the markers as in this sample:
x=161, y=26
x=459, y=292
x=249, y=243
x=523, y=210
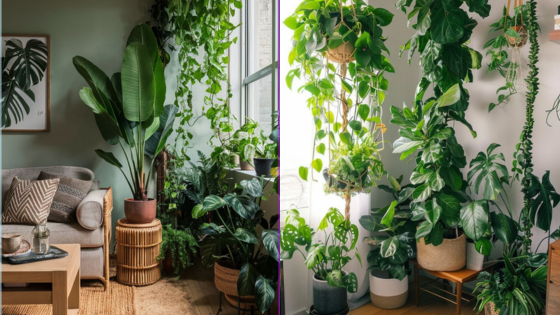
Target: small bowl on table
x=10, y=243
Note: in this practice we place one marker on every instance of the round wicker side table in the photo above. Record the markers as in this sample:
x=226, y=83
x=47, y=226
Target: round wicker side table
x=137, y=250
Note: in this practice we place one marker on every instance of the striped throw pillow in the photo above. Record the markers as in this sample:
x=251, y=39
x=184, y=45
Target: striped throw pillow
x=29, y=202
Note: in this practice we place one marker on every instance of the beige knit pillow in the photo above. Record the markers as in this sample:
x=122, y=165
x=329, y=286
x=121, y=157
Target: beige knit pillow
x=29, y=202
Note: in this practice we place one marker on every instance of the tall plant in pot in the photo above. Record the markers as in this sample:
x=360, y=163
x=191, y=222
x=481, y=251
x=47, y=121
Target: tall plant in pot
x=235, y=247
x=129, y=112
x=443, y=29
x=339, y=50
x=393, y=241
x=327, y=259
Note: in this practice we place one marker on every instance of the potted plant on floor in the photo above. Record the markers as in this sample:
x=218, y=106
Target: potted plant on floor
x=235, y=248
x=393, y=241
x=129, y=111
x=425, y=127
x=327, y=259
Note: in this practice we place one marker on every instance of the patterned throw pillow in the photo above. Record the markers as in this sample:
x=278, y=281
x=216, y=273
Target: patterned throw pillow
x=71, y=191
x=29, y=202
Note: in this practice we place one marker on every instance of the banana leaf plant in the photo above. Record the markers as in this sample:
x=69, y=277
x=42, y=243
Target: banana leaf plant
x=22, y=68
x=128, y=107
x=233, y=237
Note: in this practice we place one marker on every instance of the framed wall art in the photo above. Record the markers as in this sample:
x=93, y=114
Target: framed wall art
x=25, y=83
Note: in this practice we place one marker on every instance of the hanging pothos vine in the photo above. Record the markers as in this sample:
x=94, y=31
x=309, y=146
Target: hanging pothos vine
x=202, y=31
x=339, y=50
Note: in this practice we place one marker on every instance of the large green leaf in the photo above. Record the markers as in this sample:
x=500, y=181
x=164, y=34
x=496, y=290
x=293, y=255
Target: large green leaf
x=137, y=83
x=450, y=97
x=27, y=64
x=389, y=247
x=106, y=123
x=246, y=236
x=246, y=210
x=504, y=227
x=156, y=143
x=447, y=23
x=143, y=34
x=109, y=157
x=159, y=88
x=270, y=242
x=545, y=200
x=351, y=282
x=264, y=293
x=99, y=83
x=474, y=219
x=488, y=167
x=252, y=187
x=14, y=105
x=247, y=278
x=213, y=202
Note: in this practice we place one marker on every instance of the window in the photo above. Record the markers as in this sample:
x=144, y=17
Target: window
x=260, y=62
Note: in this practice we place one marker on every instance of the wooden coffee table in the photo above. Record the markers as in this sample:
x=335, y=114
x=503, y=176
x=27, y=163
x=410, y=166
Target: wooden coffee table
x=55, y=281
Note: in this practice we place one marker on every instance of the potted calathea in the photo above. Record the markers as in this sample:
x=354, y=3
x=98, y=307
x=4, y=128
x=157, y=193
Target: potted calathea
x=129, y=112
x=340, y=52
x=235, y=248
x=326, y=258
x=447, y=63
x=393, y=241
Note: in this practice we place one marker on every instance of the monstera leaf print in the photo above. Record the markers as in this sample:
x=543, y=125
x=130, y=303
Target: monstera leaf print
x=22, y=68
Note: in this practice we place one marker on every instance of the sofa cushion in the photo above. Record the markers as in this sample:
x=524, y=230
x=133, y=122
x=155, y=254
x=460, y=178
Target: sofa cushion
x=29, y=202
x=90, y=211
x=92, y=262
x=71, y=191
x=61, y=233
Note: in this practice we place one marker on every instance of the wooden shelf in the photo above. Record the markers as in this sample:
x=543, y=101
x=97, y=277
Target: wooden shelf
x=554, y=36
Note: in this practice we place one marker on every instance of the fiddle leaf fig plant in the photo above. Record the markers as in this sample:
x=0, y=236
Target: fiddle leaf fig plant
x=339, y=52
x=326, y=258
x=128, y=107
x=443, y=30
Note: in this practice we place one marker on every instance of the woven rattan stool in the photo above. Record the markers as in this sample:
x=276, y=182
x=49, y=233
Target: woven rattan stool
x=137, y=250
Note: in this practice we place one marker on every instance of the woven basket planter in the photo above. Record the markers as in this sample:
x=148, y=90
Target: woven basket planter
x=225, y=279
x=138, y=246
x=342, y=54
x=451, y=255
x=490, y=310
x=523, y=34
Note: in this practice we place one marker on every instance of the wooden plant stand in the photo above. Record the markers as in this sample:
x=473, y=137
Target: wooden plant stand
x=458, y=277
x=138, y=246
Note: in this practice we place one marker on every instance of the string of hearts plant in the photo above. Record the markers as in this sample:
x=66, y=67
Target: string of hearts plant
x=339, y=51
x=443, y=30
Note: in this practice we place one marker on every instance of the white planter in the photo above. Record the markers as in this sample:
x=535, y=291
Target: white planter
x=388, y=293
x=475, y=260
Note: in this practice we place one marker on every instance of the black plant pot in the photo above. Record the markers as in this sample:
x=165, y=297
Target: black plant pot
x=327, y=299
x=263, y=166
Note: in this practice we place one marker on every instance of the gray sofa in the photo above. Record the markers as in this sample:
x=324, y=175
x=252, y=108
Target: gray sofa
x=93, y=229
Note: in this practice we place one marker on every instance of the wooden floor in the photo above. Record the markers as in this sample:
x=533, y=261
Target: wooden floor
x=205, y=295
x=429, y=305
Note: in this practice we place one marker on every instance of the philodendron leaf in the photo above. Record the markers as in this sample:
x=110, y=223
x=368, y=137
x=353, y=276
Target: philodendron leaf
x=303, y=172
x=213, y=202
x=246, y=211
x=246, y=236
x=252, y=187
x=270, y=241
x=264, y=293
x=474, y=219
x=198, y=211
x=450, y=97
x=504, y=227
x=247, y=278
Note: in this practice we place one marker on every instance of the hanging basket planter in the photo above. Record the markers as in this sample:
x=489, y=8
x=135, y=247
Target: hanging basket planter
x=342, y=54
x=521, y=40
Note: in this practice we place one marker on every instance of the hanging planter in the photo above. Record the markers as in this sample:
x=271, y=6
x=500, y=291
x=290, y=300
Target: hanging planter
x=342, y=54
x=517, y=36
x=448, y=256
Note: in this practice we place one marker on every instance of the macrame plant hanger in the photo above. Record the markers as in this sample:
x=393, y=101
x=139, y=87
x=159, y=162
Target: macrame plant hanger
x=515, y=72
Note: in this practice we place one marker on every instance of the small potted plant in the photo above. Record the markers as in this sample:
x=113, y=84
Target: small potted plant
x=327, y=259
x=129, y=111
x=177, y=249
x=394, y=245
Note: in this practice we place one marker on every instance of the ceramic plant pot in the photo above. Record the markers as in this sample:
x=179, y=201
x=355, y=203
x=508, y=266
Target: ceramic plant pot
x=475, y=260
x=138, y=211
x=263, y=166
x=451, y=255
x=328, y=299
x=245, y=166
x=387, y=293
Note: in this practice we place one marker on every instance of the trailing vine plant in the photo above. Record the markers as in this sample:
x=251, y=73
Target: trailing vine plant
x=339, y=52
x=443, y=30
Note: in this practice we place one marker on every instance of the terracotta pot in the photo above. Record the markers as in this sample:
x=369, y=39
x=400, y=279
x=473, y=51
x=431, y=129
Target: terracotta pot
x=451, y=255
x=138, y=211
x=387, y=293
x=245, y=166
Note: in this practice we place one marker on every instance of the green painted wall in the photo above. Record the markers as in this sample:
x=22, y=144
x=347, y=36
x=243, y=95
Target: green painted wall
x=97, y=30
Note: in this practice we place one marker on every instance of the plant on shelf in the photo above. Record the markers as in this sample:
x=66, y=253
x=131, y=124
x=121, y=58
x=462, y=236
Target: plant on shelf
x=129, y=111
x=326, y=258
x=234, y=246
x=443, y=30
x=393, y=241
x=505, y=57
x=22, y=68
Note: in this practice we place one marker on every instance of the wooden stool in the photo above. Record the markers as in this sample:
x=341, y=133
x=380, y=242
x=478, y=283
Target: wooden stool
x=138, y=246
x=458, y=277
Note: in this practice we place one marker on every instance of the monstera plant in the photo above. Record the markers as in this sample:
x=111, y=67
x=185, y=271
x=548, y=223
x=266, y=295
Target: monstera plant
x=22, y=68
x=129, y=112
